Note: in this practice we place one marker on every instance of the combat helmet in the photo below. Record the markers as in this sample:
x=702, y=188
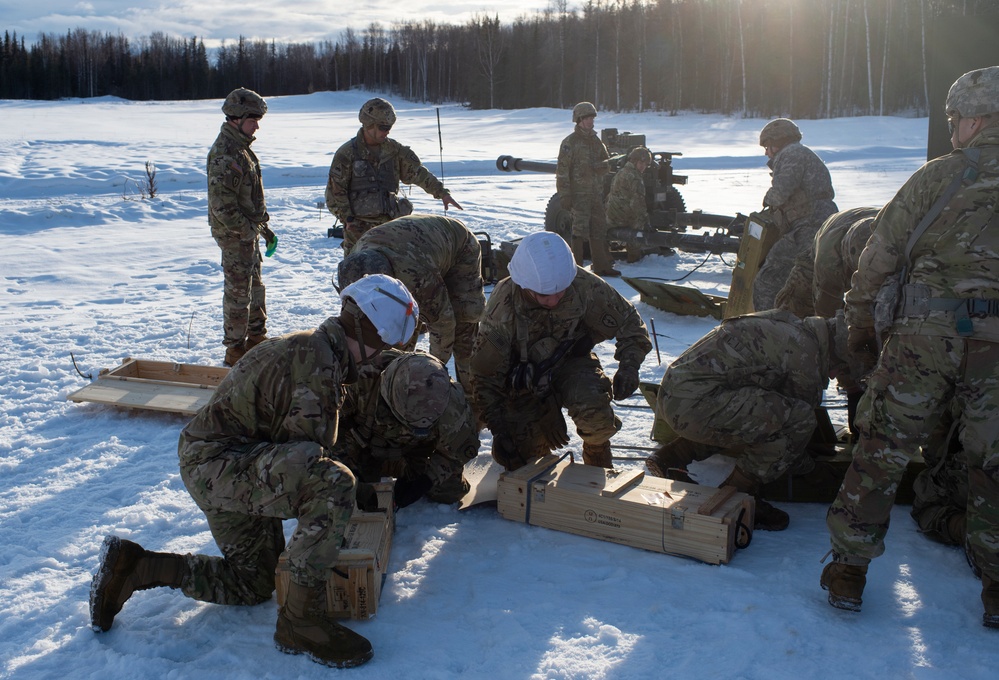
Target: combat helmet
x=543, y=263
x=976, y=93
x=417, y=388
x=640, y=154
x=582, y=110
x=376, y=111
x=242, y=102
x=779, y=131
x=378, y=310
x=359, y=263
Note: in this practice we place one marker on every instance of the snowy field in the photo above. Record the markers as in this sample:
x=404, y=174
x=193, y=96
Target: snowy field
x=90, y=268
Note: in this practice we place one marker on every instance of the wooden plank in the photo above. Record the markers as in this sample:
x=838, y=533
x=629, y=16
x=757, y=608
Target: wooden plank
x=169, y=372
x=186, y=400
x=617, y=481
x=153, y=385
x=712, y=504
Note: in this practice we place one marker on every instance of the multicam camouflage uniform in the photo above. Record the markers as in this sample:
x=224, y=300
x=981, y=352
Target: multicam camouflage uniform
x=363, y=184
x=579, y=180
x=821, y=276
x=752, y=383
x=800, y=198
x=626, y=200
x=821, y=273
x=376, y=443
x=260, y=452
x=514, y=326
x=941, y=489
x=236, y=214
x=440, y=261
x=927, y=364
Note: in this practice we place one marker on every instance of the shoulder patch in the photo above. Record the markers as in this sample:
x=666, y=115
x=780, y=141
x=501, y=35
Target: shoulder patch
x=609, y=320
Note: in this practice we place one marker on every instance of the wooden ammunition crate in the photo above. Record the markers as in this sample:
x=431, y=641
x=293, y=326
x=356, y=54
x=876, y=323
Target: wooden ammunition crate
x=628, y=507
x=154, y=386
x=355, y=586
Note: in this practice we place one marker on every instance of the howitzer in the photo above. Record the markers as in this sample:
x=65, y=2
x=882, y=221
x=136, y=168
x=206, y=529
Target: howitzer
x=667, y=217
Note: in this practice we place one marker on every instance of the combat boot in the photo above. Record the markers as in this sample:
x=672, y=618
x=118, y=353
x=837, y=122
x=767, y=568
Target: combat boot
x=767, y=517
x=234, y=354
x=955, y=529
x=670, y=460
x=124, y=568
x=254, y=340
x=990, y=598
x=598, y=455
x=303, y=627
x=451, y=490
x=845, y=583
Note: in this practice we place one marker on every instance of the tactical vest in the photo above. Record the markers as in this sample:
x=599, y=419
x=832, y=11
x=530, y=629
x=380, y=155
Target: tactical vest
x=900, y=298
x=372, y=189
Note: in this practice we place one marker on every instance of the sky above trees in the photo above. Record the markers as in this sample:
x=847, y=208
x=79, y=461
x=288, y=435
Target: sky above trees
x=306, y=20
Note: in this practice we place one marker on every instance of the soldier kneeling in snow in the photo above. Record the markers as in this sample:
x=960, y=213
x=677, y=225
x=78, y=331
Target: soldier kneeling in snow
x=260, y=451
x=750, y=388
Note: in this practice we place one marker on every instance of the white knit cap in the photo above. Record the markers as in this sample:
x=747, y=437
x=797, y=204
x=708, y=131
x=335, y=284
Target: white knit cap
x=543, y=263
x=388, y=304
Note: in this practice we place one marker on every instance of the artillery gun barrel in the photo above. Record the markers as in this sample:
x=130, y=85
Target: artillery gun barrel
x=511, y=164
x=701, y=220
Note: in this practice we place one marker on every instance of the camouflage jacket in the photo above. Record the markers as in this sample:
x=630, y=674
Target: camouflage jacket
x=361, y=179
x=956, y=257
x=821, y=273
x=287, y=389
x=838, y=245
x=626, y=200
x=801, y=189
x=236, y=207
x=772, y=350
x=372, y=433
x=591, y=311
x=582, y=164
x=422, y=250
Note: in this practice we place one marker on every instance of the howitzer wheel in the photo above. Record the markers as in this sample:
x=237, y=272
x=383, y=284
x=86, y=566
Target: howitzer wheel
x=673, y=201
x=558, y=220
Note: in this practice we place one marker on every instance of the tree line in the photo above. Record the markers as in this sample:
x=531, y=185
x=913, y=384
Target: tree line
x=814, y=59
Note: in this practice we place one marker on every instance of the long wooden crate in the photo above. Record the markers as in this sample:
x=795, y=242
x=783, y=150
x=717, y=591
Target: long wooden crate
x=154, y=386
x=628, y=507
x=355, y=586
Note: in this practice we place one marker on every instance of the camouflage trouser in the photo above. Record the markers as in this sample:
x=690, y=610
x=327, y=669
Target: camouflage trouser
x=917, y=380
x=580, y=386
x=357, y=229
x=244, y=310
x=769, y=430
x=589, y=223
x=778, y=263
x=245, y=492
x=464, y=290
x=939, y=494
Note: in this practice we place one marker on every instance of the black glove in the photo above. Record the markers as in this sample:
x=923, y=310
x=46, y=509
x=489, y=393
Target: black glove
x=862, y=344
x=625, y=381
x=553, y=428
x=366, y=497
x=408, y=491
x=505, y=450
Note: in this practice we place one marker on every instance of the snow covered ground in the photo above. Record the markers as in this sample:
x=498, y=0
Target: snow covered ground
x=91, y=269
